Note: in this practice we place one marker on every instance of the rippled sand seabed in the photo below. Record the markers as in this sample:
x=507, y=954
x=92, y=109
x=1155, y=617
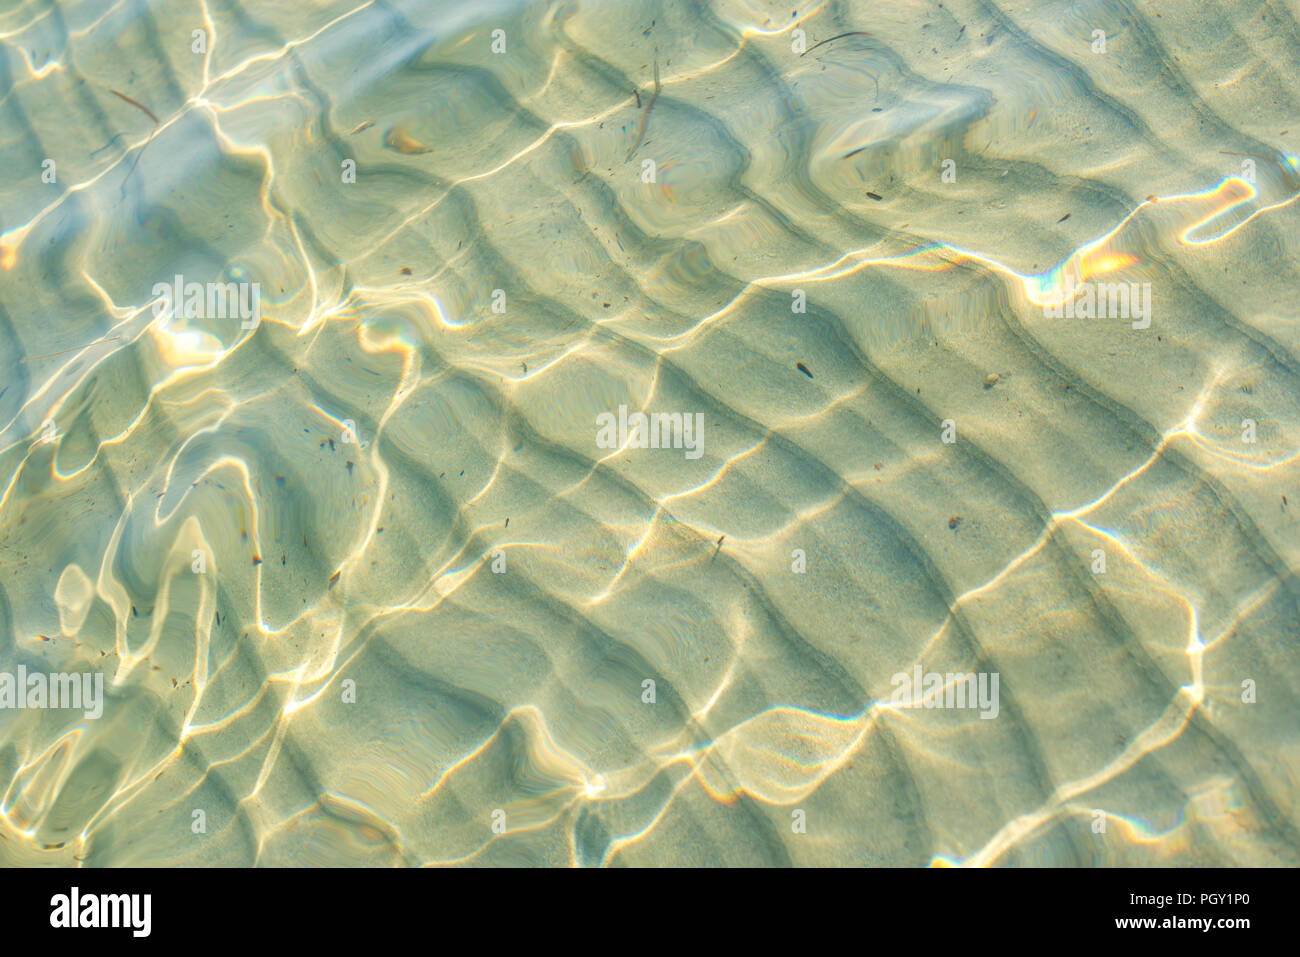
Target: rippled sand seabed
x=431, y=645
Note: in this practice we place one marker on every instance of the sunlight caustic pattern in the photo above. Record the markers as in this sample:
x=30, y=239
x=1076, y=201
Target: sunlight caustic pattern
x=365, y=585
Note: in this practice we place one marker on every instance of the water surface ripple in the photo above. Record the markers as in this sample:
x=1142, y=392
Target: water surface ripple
x=365, y=585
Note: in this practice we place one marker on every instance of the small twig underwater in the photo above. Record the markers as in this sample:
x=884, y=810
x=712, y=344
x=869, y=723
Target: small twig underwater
x=63, y=352
x=1288, y=175
x=645, y=117
x=115, y=137
x=1259, y=155
x=841, y=36
x=147, y=112
x=137, y=104
x=852, y=33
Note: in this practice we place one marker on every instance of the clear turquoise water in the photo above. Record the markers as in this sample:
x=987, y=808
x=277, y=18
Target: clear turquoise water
x=365, y=580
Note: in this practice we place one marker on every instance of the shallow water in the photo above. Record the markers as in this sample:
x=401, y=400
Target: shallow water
x=376, y=573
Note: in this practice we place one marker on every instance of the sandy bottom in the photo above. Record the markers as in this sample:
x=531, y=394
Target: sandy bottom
x=374, y=580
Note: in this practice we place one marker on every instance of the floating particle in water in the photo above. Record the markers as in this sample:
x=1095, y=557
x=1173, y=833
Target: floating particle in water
x=851, y=33
x=645, y=117
x=397, y=139
x=954, y=521
x=992, y=380
x=149, y=113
